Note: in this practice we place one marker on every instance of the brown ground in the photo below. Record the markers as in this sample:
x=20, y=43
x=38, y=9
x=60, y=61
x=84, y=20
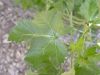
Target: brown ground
x=11, y=54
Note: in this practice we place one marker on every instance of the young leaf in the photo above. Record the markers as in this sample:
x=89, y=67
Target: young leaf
x=77, y=47
x=90, y=51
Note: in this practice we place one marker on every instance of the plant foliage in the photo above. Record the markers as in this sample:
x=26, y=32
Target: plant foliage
x=56, y=19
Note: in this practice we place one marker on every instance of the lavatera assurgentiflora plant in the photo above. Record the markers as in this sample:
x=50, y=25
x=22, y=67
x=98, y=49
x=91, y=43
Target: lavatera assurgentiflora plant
x=49, y=45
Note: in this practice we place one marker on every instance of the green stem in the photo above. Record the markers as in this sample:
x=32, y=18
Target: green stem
x=71, y=23
x=71, y=20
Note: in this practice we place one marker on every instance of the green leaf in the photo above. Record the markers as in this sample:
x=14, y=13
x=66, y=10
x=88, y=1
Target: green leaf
x=80, y=44
x=44, y=45
x=90, y=51
x=98, y=4
x=52, y=19
x=77, y=5
x=21, y=29
x=83, y=70
x=44, y=24
x=91, y=54
x=69, y=5
x=48, y=58
x=25, y=30
x=89, y=9
x=39, y=4
x=77, y=47
x=88, y=62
